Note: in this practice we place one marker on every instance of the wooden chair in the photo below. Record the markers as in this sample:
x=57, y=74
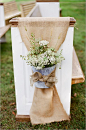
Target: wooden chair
x=10, y=11
x=3, y=28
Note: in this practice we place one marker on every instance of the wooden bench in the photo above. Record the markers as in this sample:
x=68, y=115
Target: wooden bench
x=3, y=30
x=26, y=8
x=77, y=73
x=10, y=11
x=64, y=74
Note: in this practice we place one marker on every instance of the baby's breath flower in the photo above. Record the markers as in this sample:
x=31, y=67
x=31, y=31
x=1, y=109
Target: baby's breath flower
x=43, y=43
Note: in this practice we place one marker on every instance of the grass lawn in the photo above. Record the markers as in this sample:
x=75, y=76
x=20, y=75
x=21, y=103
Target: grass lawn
x=8, y=100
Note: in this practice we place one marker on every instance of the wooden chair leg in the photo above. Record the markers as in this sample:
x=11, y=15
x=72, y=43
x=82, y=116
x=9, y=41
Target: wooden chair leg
x=22, y=118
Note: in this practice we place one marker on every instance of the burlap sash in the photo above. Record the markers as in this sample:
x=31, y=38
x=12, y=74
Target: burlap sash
x=46, y=106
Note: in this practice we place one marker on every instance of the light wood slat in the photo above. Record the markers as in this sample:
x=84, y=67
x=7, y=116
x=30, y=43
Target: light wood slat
x=26, y=9
x=11, y=9
x=27, y=12
x=4, y=29
x=11, y=4
x=6, y=5
x=29, y=6
x=77, y=73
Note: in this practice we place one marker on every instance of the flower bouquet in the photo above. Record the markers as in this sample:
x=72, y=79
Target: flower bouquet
x=43, y=59
x=41, y=55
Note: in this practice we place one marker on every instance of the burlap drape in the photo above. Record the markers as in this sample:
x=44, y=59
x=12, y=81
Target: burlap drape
x=46, y=106
x=51, y=29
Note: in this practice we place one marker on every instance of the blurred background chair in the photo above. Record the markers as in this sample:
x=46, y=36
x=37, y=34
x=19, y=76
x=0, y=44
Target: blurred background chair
x=3, y=28
x=10, y=11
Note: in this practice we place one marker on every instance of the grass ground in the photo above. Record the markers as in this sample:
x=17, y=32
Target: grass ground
x=8, y=101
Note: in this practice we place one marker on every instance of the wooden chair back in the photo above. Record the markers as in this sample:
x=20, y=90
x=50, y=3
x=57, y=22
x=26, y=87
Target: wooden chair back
x=26, y=8
x=10, y=8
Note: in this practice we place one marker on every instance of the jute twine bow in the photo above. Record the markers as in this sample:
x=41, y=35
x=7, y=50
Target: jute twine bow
x=49, y=80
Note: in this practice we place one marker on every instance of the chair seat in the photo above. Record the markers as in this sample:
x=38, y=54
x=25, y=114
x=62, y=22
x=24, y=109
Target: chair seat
x=12, y=15
x=77, y=73
x=4, y=29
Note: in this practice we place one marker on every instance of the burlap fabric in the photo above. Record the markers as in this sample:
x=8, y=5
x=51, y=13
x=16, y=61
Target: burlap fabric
x=51, y=29
x=46, y=106
x=49, y=79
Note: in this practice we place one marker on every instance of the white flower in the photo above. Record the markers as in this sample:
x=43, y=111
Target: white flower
x=49, y=52
x=43, y=42
x=38, y=67
x=52, y=59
